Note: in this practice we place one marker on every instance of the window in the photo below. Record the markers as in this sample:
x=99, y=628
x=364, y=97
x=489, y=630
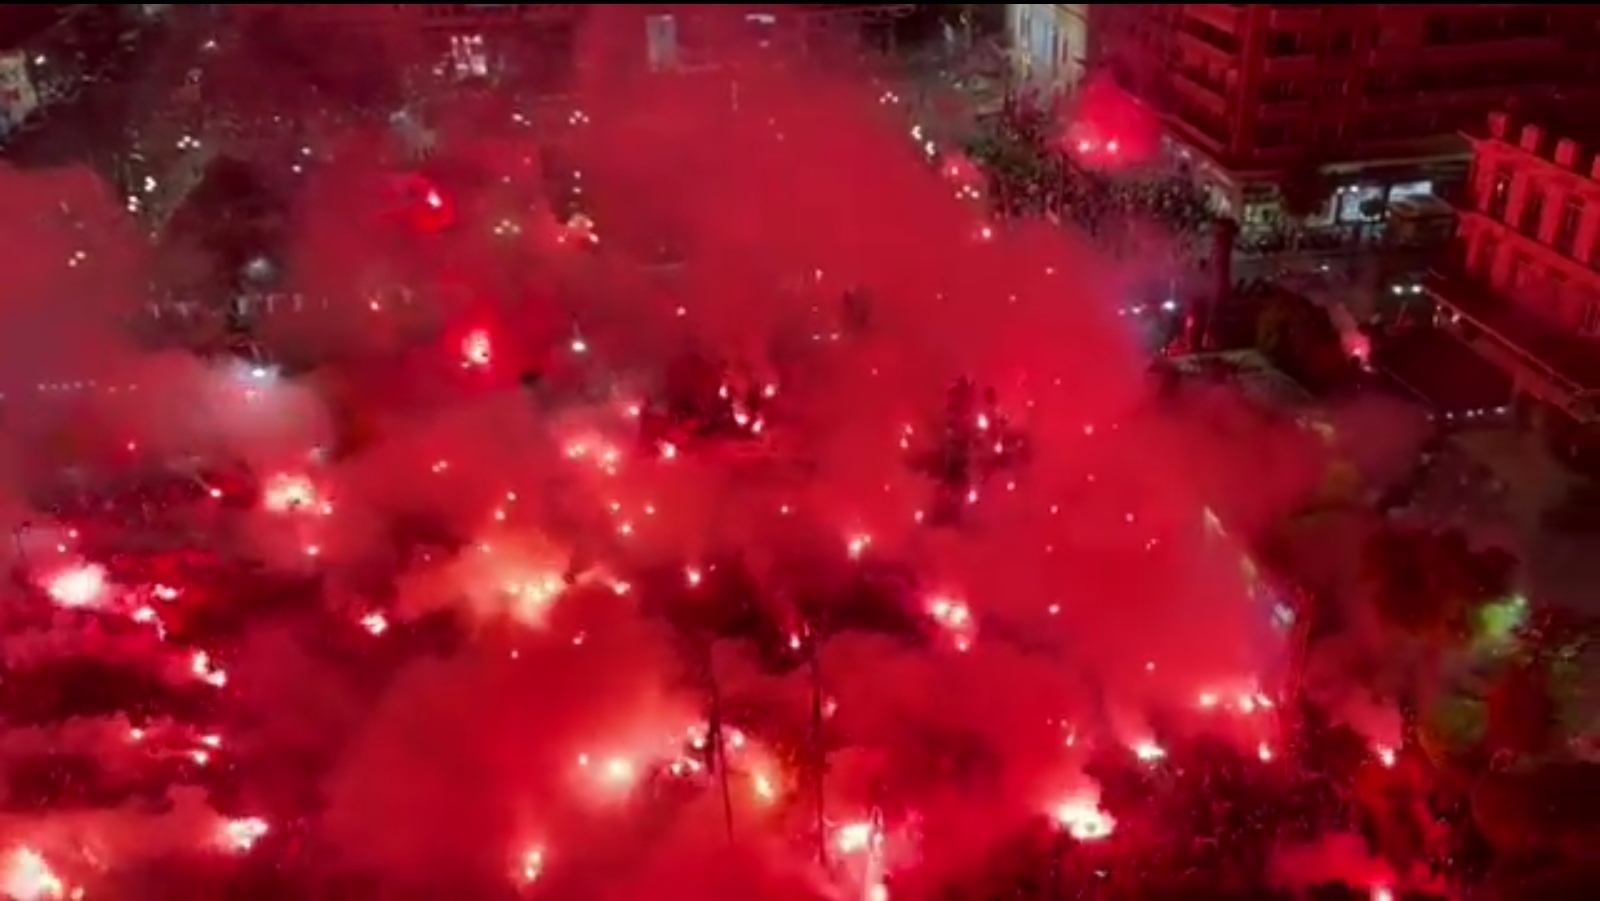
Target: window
x=1517, y=272
x=1277, y=89
x=1341, y=42
x=761, y=28
x=1482, y=261
x=1283, y=43
x=1556, y=291
x=469, y=56
x=1211, y=34
x=1408, y=189
x=1527, y=23
x=1273, y=134
x=1566, y=236
x=1589, y=318
x=1532, y=216
x=1499, y=192
x=1436, y=30
x=661, y=41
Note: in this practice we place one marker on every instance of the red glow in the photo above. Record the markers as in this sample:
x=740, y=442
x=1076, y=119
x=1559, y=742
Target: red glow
x=1107, y=128
x=856, y=522
x=423, y=205
x=477, y=349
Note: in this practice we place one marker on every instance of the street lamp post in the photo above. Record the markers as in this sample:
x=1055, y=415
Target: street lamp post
x=16, y=540
x=699, y=645
x=819, y=753
x=719, y=746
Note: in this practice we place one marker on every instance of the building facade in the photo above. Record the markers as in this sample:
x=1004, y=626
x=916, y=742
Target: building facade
x=1049, y=45
x=1360, y=96
x=494, y=40
x=1523, y=288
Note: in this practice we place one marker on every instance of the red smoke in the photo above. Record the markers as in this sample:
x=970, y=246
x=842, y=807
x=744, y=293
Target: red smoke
x=1096, y=590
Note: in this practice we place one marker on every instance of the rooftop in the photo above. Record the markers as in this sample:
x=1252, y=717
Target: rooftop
x=1554, y=128
x=1562, y=115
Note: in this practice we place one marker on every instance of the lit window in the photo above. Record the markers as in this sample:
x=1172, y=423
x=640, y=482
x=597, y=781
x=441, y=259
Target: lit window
x=468, y=55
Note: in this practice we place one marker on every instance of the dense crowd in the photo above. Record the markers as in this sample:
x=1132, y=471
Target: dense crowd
x=1031, y=170
x=1196, y=814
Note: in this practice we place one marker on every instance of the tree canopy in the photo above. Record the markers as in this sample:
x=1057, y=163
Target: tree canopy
x=1304, y=191
x=1297, y=336
x=1552, y=808
x=1432, y=584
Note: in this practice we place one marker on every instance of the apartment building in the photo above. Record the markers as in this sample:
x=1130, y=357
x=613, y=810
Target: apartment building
x=1363, y=99
x=1523, y=288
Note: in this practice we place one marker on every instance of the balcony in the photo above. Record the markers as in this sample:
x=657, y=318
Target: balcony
x=1559, y=368
x=1295, y=16
x=1201, y=88
x=1290, y=64
x=1198, y=47
x=1485, y=51
x=1224, y=17
x=1193, y=130
x=1284, y=108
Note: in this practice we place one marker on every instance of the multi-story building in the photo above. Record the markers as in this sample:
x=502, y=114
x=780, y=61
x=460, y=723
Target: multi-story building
x=493, y=39
x=1049, y=45
x=1360, y=99
x=1523, y=288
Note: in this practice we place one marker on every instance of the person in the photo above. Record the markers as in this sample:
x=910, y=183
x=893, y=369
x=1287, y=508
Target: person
x=856, y=311
x=956, y=448
x=690, y=390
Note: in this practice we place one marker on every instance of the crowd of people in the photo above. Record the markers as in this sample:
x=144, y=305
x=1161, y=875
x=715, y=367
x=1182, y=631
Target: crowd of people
x=1032, y=171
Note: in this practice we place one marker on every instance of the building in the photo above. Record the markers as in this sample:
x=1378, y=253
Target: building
x=1323, y=111
x=493, y=40
x=1523, y=287
x=74, y=94
x=1049, y=44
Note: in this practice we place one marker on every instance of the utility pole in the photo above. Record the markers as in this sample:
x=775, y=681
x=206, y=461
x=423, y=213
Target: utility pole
x=719, y=746
x=819, y=752
x=16, y=541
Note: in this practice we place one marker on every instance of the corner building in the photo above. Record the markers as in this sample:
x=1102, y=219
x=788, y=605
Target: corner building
x=1367, y=97
x=1522, y=287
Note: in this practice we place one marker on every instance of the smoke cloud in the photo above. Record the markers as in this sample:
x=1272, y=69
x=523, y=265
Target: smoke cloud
x=483, y=676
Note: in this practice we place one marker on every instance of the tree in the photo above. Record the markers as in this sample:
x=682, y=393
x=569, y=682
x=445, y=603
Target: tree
x=1017, y=152
x=1548, y=676
x=1543, y=810
x=1304, y=192
x=1431, y=584
x=1272, y=328
x=1522, y=717
x=1297, y=336
x=1429, y=587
